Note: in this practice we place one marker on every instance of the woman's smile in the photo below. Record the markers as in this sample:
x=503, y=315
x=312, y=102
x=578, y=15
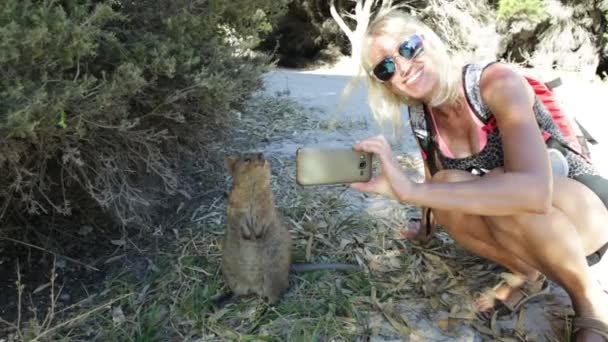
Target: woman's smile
x=413, y=77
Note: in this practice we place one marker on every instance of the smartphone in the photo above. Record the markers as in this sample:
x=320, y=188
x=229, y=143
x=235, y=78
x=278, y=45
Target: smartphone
x=321, y=166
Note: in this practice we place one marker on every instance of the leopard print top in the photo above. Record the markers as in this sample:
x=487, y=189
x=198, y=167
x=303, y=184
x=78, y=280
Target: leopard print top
x=491, y=156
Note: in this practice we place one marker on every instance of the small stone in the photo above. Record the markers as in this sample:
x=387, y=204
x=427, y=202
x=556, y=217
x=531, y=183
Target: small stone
x=85, y=230
x=118, y=316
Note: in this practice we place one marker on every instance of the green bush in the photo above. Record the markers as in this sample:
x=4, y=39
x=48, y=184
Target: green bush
x=533, y=10
x=306, y=32
x=602, y=69
x=102, y=100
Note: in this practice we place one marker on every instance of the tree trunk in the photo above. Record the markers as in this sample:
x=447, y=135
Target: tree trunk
x=362, y=16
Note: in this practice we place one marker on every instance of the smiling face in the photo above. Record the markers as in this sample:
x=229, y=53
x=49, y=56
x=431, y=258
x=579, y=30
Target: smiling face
x=415, y=78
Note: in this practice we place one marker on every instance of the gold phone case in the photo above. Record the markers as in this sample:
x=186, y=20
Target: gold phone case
x=319, y=166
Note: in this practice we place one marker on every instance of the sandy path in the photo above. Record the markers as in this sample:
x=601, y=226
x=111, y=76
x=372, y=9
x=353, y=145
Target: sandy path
x=322, y=90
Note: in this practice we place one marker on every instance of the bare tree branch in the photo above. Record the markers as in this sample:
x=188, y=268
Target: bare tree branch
x=386, y=5
x=361, y=15
x=367, y=7
x=359, y=6
x=339, y=20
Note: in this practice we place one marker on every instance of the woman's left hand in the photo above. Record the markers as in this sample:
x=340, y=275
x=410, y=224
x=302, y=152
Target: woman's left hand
x=392, y=182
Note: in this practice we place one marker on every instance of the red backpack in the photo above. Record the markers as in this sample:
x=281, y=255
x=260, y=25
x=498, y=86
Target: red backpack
x=544, y=91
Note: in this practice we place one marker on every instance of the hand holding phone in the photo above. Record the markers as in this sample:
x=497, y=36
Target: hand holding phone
x=322, y=166
x=391, y=180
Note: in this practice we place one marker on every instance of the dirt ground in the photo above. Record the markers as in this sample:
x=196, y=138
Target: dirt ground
x=160, y=285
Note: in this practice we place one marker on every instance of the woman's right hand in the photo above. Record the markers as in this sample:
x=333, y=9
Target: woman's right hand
x=392, y=182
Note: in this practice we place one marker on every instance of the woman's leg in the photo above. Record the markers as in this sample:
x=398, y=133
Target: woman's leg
x=597, y=184
x=555, y=243
x=473, y=233
x=558, y=242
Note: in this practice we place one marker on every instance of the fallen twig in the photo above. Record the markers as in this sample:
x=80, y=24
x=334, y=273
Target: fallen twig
x=51, y=252
x=70, y=321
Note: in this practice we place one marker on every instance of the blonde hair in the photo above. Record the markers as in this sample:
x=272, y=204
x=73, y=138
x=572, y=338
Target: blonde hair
x=385, y=104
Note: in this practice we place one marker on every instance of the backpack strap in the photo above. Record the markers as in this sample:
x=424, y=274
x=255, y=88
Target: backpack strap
x=554, y=83
x=471, y=77
x=586, y=135
x=420, y=123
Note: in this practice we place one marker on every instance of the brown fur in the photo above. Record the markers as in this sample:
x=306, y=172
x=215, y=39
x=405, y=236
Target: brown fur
x=257, y=245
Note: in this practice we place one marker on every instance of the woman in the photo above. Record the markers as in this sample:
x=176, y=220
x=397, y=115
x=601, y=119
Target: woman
x=514, y=210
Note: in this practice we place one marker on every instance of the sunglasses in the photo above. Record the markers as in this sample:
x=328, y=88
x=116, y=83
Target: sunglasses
x=409, y=49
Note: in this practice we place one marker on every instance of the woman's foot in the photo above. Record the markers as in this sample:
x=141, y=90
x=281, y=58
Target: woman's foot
x=511, y=292
x=592, y=325
x=414, y=230
x=411, y=231
x=506, y=288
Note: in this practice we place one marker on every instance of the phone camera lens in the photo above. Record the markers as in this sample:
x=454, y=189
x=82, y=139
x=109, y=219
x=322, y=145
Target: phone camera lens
x=362, y=165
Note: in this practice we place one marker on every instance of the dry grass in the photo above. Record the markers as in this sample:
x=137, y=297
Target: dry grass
x=406, y=291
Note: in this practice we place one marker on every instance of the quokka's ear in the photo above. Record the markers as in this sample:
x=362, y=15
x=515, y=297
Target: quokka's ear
x=230, y=163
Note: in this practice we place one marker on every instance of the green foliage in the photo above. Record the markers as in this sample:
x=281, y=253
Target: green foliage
x=41, y=49
x=305, y=30
x=102, y=99
x=606, y=30
x=602, y=69
x=533, y=10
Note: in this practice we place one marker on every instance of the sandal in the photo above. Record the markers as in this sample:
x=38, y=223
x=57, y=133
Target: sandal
x=591, y=324
x=522, y=294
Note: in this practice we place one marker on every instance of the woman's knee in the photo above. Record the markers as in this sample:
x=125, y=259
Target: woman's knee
x=578, y=196
x=597, y=185
x=457, y=223
x=513, y=224
x=452, y=221
x=584, y=209
x=452, y=176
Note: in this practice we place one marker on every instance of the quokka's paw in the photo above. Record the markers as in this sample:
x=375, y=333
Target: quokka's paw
x=260, y=230
x=245, y=231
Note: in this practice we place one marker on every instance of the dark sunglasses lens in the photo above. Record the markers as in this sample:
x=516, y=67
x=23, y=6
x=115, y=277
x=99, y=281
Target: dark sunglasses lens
x=411, y=48
x=385, y=69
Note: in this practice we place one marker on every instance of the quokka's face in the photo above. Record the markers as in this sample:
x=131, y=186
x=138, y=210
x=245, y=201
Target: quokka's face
x=248, y=167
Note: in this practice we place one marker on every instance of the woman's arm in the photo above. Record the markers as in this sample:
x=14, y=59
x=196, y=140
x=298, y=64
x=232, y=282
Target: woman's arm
x=526, y=184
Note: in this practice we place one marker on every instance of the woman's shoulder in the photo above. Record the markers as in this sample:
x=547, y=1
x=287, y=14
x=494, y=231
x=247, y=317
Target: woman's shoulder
x=485, y=73
x=503, y=89
x=498, y=73
x=489, y=84
x=494, y=81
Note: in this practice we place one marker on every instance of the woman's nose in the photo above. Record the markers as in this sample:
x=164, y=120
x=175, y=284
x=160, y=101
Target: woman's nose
x=403, y=64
